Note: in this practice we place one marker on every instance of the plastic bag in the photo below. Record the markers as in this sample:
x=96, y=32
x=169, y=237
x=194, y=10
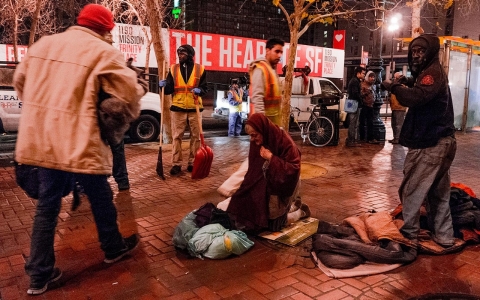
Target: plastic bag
x=185, y=231
x=216, y=242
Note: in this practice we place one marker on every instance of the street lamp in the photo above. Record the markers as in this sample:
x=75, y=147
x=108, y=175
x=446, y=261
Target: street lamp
x=393, y=25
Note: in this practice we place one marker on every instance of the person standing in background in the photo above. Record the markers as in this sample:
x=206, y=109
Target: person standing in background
x=354, y=93
x=398, y=115
x=235, y=99
x=187, y=82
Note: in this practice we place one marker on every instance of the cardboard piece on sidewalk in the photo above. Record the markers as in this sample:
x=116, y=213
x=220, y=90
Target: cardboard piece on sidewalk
x=294, y=233
x=368, y=268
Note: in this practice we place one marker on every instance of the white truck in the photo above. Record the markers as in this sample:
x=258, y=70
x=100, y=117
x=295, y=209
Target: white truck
x=144, y=129
x=317, y=91
x=304, y=97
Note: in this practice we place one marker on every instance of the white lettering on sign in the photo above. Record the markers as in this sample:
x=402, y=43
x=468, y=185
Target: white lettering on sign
x=236, y=53
x=225, y=52
x=297, y=58
x=309, y=57
x=206, y=50
x=248, y=57
x=21, y=52
x=329, y=63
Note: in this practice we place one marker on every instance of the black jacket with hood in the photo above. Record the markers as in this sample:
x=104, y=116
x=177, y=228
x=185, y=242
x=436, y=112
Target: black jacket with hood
x=427, y=95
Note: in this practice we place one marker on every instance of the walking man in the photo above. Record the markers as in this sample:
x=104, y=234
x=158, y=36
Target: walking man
x=59, y=81
x=429, y=134
x=354, y=93
x=187, y=81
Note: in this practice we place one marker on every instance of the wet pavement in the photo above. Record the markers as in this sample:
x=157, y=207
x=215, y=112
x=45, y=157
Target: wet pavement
x=338, y=182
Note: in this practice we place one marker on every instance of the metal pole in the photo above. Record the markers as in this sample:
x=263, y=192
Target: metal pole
x=376, y=65
x=392, y=65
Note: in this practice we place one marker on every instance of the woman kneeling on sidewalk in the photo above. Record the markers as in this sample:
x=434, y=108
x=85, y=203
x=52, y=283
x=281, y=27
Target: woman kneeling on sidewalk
x=269, y=195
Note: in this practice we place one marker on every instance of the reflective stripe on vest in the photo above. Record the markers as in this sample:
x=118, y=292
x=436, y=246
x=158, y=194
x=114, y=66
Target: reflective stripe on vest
x=182, y=95
x=237, y=97
x=273, y=94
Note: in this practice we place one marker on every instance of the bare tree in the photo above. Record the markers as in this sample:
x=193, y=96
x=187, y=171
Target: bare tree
x=13, y=13
x=132, y=12
x=156, y=17
x=465, y=7
x=307, y=12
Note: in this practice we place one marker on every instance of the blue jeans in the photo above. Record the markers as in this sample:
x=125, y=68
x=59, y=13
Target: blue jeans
x=353, y=126
x=427, y=178
x=235, y=124
x=41, y=262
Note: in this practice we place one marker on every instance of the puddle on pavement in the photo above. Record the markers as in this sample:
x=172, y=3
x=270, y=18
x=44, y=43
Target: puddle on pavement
x=308, y=171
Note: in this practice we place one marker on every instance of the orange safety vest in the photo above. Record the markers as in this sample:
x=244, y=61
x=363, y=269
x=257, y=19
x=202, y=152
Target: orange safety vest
x=182, y=95
x=273, y=94
x=238, y=97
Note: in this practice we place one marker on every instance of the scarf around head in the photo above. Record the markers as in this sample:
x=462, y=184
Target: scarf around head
x=249, y=203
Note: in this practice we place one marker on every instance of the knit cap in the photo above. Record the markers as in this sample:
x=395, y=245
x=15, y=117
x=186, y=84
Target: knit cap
x=96, y=17
x=420, y=41
x=187, y=49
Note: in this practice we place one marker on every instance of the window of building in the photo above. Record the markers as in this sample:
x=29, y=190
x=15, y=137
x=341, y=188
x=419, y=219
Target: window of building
x=355, y=50
x=356, y=36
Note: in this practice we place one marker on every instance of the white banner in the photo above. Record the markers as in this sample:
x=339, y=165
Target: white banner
x=132, y=42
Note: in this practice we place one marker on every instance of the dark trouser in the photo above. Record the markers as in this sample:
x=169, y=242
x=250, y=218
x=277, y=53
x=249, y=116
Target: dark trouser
x=41, y=262
x=366, y=123
x=427, y=177
x=398, y=116
x=235, y=124
x=119, y=163
x=353, y=126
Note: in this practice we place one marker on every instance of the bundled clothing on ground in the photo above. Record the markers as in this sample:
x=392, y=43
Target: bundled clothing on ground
x=368, y=237
x=267, y=183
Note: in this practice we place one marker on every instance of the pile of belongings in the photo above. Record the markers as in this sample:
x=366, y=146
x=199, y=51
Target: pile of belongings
x=206, y=233
x=372, y=237
x=465, y=211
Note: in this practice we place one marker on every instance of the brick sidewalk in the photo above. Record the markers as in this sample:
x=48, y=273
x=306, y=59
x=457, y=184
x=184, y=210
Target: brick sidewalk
x=349, y=181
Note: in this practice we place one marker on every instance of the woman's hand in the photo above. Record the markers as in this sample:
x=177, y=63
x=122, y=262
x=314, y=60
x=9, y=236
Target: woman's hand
x=265, y=153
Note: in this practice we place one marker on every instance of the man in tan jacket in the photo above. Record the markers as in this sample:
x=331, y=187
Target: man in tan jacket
x=59, y=81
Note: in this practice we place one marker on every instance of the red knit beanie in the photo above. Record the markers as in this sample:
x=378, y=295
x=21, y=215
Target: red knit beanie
x=96, y=17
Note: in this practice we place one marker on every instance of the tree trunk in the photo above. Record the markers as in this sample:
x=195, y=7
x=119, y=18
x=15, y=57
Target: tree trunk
x=15, y=36
x=287, y=88
x=155, y=17
x=149, y=43
x=417, y=6
x=35, y=17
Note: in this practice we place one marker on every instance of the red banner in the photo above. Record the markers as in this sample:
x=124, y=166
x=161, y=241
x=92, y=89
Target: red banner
x=234, y=54
x=339, y=39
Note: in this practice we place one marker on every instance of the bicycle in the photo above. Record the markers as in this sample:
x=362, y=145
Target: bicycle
x=318, y=129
